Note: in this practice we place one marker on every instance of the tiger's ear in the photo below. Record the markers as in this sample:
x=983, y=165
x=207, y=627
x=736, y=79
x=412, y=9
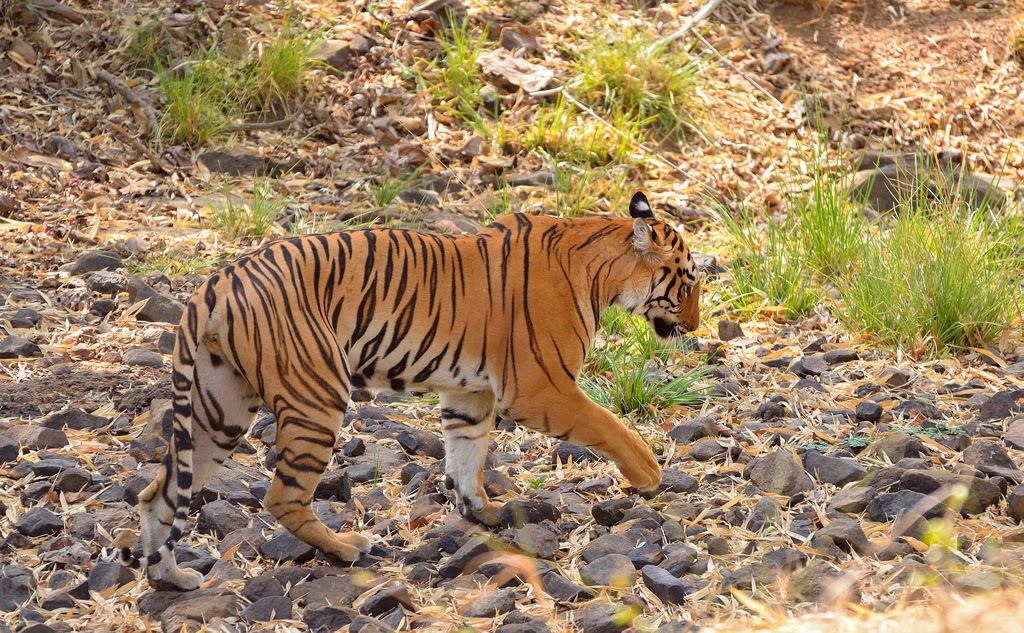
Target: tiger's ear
x=644, y=241
x=639, y=207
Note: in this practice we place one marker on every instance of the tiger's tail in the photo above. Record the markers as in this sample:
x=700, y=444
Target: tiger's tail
x=179, y=459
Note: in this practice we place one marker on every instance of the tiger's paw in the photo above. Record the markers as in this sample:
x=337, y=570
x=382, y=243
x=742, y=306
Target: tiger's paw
x=351, y=545
x=488, y=515
x=644, y=474
x=177, y=579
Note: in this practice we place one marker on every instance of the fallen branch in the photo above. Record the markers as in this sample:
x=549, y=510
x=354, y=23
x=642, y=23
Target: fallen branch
x=128, y=95
x=154, y=160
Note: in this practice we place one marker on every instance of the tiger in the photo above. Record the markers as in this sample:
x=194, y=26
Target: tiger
x=496, y=322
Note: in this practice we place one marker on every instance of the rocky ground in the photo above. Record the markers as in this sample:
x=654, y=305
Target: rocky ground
x=822, y=474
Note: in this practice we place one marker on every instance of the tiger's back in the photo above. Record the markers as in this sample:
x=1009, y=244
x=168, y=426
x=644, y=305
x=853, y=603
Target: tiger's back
x=497, y=320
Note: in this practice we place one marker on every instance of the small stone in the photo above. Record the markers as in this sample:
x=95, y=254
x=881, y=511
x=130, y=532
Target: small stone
x=821, y=584
x=388, y=598
x=707, y=450
x=992, y=459
x=978, y=581
x=17, y=586
x=778, y=472
x=148, y=448
x=18, y=347
x=605, y=618
x=766, y=512
x=895, y=377
x=533, y=179
x=611, y=570
x=106, y=282
x=536, y=540
x=191, y=611
x=75, y=419
x=668, y=588
x=519, y=512
x=564, y=590
x=259, y=587
x=220, y=518
x=39, y=522
x=566, y=452
x=96, y=260
x=326, y=619
x=999, y=407
x=853, y=500
x=693, y=430
x=356, y=447
x=102, y=307
x=673, y=480
x=109, y=574
x=897, y=446
x=646, y=554
x=158, y=308
x=839, y=356
x=833, y=470
x=10, y=450
x=847, y=532
x=809, y=366
x=418, y=442
x=269, y=608
x=597, y=486
x=981, y=493
x=366, y=624
x=335, y=485
x=73, y=480
x=891, y=506
x=1015, y=503
x=141, y=357
x=604, y=545
x=466, y=554
x=868, y=411
x=611, y=511
x=679, y=561
x=728, y=330
x=490, y=604
x=284, y=546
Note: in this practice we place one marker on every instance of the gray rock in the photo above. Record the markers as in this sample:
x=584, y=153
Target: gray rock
x=999, y=407
x=718, y=546
x=728, y=330
x=604, y=618
x=673, y=480
x=564, y=590
x=269, y=608
x=158, y=308
x=520, y=512
x=17, y=586
x=15, y=346
x=109, y=574
x=333, y=591
x=75, y=419
x=868, y=411
x=914, y=409
x=821, y=584
x=895, y=377
x=679, y=561
x=566, y=452
x=335, y=484
x=466, y=554
x=809, y=366
x=992, y=459
x=649, y=553
x=96, y=260
x=604, y=545
x=220, y=518
x=536, y=540
x=981, y=493
x=191, y=612
x=326, y=619
x=668, y=588
x=10, y=450
x=707, y=450
x=833, y=470
x=848, y=533
x=853, y=500
x=611, y=570
x=106, y=282
x=906, y=509
x=490, y=604
x=533, y=179
x=102, y=307
x=73, y=480
x=155, y=603
x=766, y=512
x=259, y=587
x=161, y=419
x=38, y=522
x=1015, y=503
x=141, y=357
x=284, y=546
x=237, y=163
x=390, y=597
x=778, y=472
x=897, y=446
x=419, y=442
x=611, y=511
x=693, y=430
x=839, y=356
x=366, y=624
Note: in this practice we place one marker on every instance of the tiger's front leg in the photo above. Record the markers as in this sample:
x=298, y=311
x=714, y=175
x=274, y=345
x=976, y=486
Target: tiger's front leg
x=466, y=422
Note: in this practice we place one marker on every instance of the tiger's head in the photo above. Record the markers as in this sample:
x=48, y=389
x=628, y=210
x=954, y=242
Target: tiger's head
x=665, y=285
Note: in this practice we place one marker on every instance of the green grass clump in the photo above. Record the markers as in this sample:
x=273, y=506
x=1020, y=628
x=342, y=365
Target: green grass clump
x=568, y=136
x=455, y=80
x=279, y=69
x=149, y=46
x=626, y=370
x=632, y=76
x=251, y=218
x=173, y=263
x=939, y=278
x=197, y=100
x=830, y=228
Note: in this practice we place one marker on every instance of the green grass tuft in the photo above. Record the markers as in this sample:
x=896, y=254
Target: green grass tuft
x=196, y=100
x=252, y=218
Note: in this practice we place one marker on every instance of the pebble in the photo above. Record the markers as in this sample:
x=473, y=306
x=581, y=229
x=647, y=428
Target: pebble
x=269, y=608
x=779, y=473
x=39, y=522
x=141, y=357
x=15, y=346
x=668, y=588
x=490, y=604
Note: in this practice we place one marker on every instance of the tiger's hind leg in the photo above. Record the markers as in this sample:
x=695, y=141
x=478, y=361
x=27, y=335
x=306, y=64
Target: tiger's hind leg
x=223, y=407
x=466, y=422
x=308, y=423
